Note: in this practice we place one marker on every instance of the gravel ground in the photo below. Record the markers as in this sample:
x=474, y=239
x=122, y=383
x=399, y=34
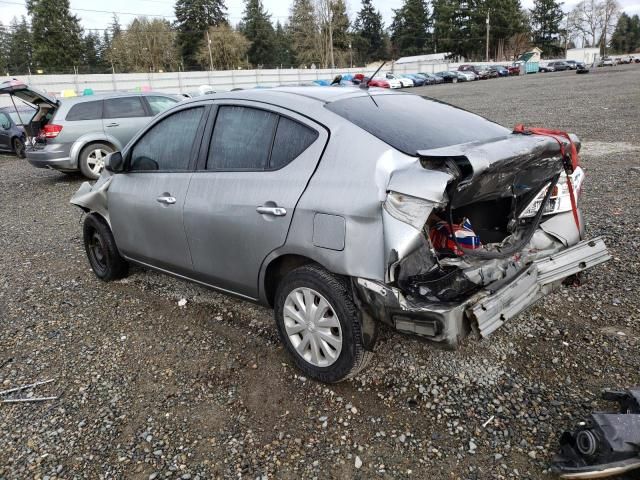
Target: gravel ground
x=148, y=389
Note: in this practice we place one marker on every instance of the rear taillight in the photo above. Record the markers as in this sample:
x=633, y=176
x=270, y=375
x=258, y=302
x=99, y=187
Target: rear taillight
x=51, y=131
x=560, y=200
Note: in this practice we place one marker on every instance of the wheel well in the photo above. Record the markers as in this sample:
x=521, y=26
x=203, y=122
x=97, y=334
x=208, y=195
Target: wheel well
x=93, y=142
x=278, y=269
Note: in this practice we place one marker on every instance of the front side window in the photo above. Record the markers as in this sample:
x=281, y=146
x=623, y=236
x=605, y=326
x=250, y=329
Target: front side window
x=160, y=104
x=123, y=107
x=4, y=121
x=242, y=139
x=85, y=111
x=167, y=145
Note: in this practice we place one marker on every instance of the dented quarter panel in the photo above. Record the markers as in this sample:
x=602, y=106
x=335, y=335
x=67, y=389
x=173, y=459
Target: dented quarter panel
x=94, y=198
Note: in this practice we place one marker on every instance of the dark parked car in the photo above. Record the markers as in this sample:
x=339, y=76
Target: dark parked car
x=334, y=207
x=448, y=77
x=572, y=64
x=432, y=78
x=581, y=67
x=500, y=70
x=12, y=133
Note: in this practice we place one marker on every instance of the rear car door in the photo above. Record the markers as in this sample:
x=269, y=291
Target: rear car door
x=255, y=165
x=147, y=200
x=123, y=117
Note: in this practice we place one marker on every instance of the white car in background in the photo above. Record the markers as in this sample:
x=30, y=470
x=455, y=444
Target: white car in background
x=468, y=75
x=404, y=81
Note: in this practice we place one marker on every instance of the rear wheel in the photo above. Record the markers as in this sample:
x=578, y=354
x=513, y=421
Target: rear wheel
x=319, y=324
x=18, y=148
x=104, y=258
x=92, y=159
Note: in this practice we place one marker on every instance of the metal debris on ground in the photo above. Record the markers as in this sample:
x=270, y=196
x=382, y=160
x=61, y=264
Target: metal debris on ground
x=606, y=444
x=26, y=399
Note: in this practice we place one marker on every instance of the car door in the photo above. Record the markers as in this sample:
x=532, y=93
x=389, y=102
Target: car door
x=123, y=117
x=5, y=131
x=250, y=176
x=146, y=201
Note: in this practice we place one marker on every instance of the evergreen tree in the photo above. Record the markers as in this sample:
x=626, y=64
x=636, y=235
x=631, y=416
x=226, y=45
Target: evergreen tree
x=304, y=33
x=193, y=18
x=20, y=47
x=546, y=19
x=283, y=55
x=341, y=38
x=369, y=35
x=257, y=28
x=56, y=35
x=443, y=19
x=5, y=38
x=626, y=36
x=91, y=54
x=410, y=29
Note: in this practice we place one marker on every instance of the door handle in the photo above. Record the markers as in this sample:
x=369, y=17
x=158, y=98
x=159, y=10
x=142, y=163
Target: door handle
x=113, y=124
x=275, y=211
x=167, y=200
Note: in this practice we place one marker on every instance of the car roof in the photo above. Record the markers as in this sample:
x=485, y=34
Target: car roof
x=285, y=96
x=105, y=95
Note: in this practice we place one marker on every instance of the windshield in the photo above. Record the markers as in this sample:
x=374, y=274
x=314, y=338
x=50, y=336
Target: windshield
x=410, y=123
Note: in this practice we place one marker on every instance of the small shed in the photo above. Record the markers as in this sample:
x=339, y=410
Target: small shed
x=531, y=60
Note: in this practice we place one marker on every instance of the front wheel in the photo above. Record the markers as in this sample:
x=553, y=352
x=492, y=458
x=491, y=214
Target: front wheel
x=104, y=258
x=319, y=324
x=92, y=159
x=18, y=148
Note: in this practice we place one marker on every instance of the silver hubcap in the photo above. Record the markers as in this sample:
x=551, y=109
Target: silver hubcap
x=95, y=160
x=313, y=327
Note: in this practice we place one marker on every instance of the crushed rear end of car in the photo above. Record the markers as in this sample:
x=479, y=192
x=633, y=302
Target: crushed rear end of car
x=476, y=233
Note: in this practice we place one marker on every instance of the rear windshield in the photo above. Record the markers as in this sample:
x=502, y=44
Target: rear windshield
x=410, y=123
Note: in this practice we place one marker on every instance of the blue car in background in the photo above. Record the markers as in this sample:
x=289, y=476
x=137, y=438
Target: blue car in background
x=500, y=70
x=418, y=81
x=12, y=134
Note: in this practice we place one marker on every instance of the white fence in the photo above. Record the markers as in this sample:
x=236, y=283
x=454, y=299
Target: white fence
x=185, y=82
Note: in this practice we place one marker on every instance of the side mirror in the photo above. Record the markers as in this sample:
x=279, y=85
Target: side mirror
x=114, y=162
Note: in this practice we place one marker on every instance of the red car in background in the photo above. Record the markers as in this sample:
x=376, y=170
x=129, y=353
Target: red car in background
x=514, y=69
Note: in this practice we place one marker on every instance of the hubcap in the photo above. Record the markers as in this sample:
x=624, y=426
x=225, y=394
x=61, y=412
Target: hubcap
x=313, y=327
x=95, y=160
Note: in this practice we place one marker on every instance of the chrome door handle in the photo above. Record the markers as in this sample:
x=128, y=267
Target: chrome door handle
x=113, y=124
x=275, y=211
x=166, y=200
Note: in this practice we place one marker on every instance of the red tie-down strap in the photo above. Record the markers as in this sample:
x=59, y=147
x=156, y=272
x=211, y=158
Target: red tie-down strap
x=558, y=136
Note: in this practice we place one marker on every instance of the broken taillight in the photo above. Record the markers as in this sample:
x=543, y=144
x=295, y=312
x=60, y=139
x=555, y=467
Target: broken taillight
x=560, y=200
x=51, y=130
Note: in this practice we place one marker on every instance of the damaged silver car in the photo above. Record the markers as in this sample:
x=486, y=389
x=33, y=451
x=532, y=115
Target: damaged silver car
x=342, y=209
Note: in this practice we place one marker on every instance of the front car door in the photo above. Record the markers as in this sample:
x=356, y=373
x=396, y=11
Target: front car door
x=5, y=131
x=123, y=117
x=147, y=200
x=253, y=168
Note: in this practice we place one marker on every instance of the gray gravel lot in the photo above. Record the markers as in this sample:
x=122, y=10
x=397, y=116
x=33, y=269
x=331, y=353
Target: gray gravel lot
x=149, y=389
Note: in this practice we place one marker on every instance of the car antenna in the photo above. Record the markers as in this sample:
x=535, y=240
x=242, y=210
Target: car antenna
x=365, y=84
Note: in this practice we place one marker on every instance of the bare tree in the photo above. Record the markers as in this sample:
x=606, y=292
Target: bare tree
x=590, y=21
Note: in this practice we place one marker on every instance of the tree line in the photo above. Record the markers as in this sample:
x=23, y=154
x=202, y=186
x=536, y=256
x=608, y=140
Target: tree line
x=317, y=33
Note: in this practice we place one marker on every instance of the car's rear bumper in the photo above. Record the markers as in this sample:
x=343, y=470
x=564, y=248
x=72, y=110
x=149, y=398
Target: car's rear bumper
x=53, y=155
x=486, y=310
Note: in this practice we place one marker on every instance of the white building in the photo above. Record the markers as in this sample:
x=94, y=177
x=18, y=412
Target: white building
x=433, y=57
x=586, y=55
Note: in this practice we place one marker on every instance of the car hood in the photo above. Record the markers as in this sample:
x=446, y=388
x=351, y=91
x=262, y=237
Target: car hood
x=28, y=94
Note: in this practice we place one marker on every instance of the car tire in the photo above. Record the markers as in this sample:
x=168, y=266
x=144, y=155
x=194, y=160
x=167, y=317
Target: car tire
x=341, y=354
x=91, y=160
x=100, y=246
x=19, y=148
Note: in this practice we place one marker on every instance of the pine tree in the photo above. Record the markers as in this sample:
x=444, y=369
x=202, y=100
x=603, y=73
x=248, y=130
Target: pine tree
x=91, y=53
x=304, y=33
x=626, y=36
x=257, y=28
x=546, y=19
x=410, y=29
x=282, y=55
x=5, y=38
x=193, y=18
x=369, y=35
x=56, y=35
x=20, y=47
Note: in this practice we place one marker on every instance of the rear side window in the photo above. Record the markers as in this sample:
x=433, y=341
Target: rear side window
x=410, y=123
x=85, y=111
x=160, y=104
x=167, y=145
x=123, y=107
x=242, y=139
x=292, y=138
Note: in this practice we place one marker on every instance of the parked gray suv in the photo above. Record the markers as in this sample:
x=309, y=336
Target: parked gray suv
x=77, y=133
x=341, y=208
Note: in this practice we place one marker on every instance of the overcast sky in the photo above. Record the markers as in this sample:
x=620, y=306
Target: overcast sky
x=279, y=9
